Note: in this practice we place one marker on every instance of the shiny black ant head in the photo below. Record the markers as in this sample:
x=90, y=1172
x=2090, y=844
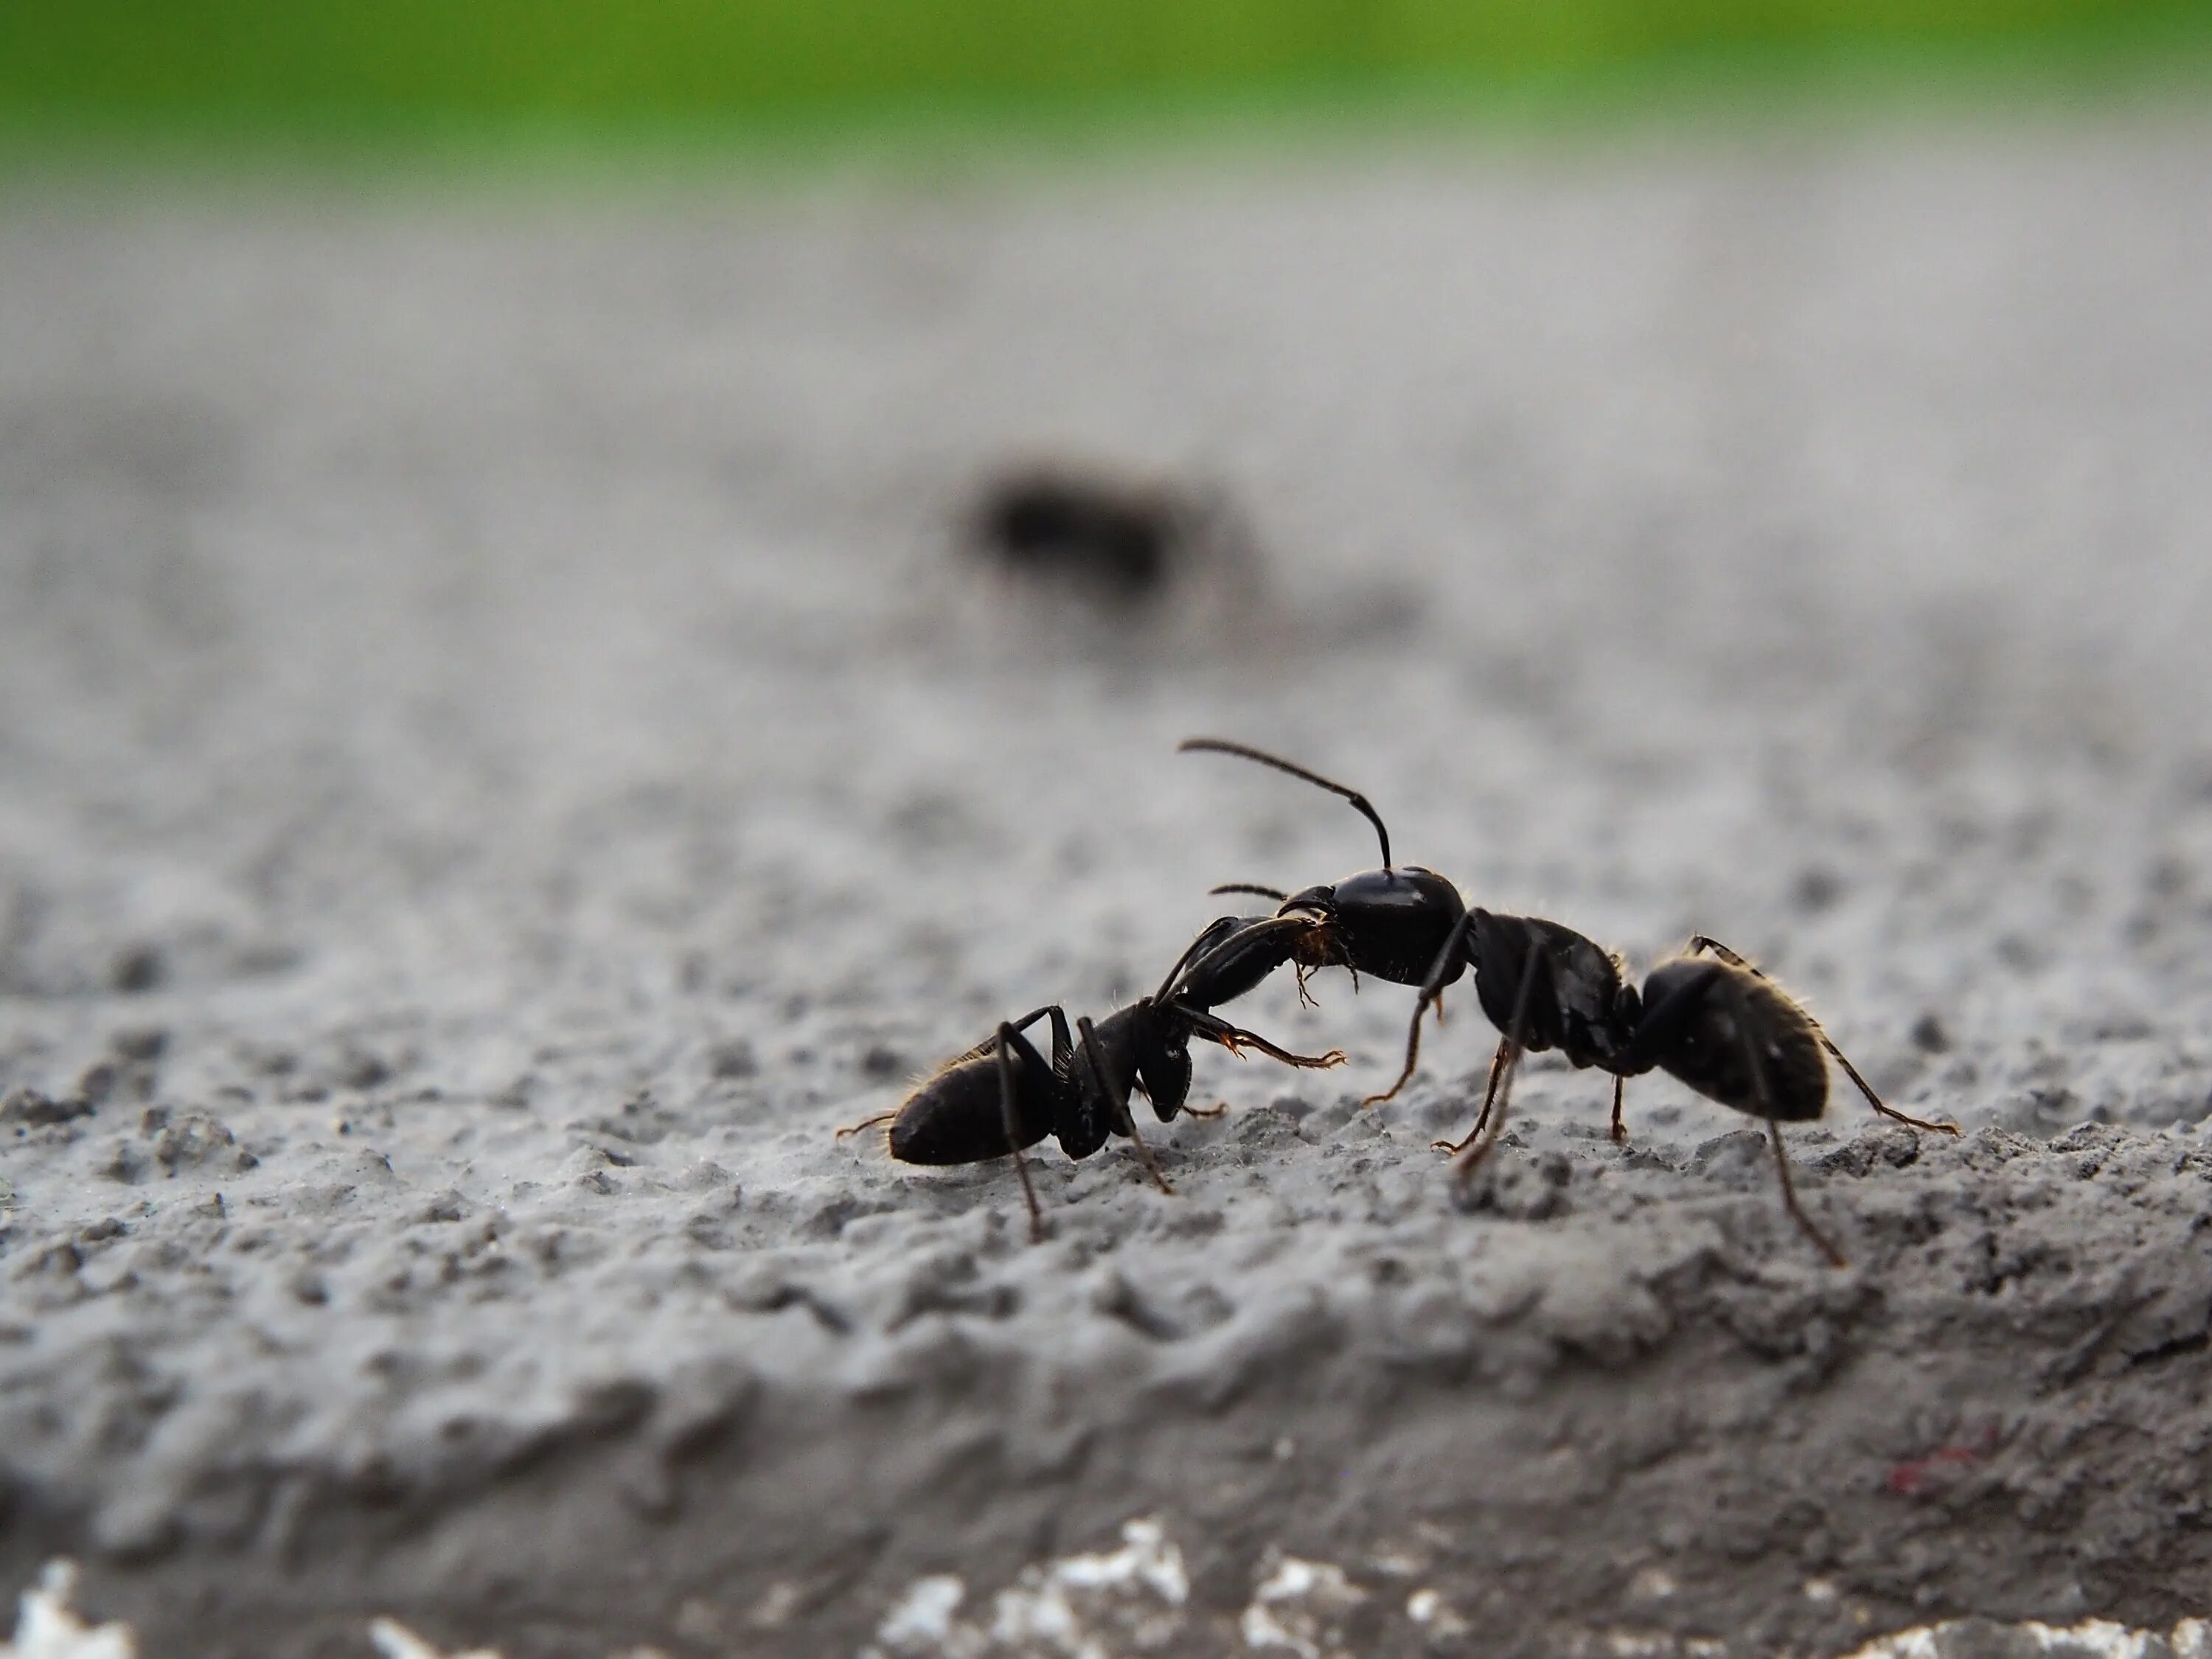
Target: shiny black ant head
x=1145, y=1046
x=1390, y=923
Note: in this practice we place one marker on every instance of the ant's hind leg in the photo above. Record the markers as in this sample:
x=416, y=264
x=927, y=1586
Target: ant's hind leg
x=1701, y=942
x=1758, y=1063
x=1620, y=1129
x=1013, y=1129
x=1789, y=1199
x=865, y=1123
x=1867, y=1089
x=1117, y=1097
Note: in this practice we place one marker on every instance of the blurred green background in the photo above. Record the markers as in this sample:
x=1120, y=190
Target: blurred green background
x=319, y=69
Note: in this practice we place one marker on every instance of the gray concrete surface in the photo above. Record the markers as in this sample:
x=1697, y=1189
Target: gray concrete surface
x=495, y=767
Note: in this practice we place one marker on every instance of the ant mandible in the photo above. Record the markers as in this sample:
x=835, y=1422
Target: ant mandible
x=1002, y=1095
x=1713, y=1022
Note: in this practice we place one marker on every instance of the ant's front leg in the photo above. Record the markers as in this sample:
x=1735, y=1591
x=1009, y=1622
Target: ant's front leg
x=1234, y=1039
x=1116, y=1094
x=1441, y=972
x=1701, y=942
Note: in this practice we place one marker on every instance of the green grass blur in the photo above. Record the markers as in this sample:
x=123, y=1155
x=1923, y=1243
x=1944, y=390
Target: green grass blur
x=313, y=70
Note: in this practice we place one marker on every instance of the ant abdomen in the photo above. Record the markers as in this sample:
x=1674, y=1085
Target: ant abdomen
x=1749, y=1045
x=959, y=1115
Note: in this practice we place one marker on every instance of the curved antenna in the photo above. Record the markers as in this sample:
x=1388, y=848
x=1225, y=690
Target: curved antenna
x=1360, y=803
x=1183, y=961
x=1251, y=887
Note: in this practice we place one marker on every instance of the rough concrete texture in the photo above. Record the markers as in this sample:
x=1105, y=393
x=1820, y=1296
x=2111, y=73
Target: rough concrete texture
x=499, y=765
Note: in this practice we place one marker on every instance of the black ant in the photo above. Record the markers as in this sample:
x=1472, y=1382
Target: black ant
x=1002, y=1095
x=1715, y=1023
x=1119, y=542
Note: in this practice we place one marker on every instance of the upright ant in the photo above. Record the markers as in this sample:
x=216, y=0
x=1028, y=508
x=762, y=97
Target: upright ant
x=1716, y=1024
x=1002, y=1095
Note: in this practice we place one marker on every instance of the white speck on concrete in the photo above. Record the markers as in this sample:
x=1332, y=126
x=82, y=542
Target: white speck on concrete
x=394, y=1640
x=46, y=1628
x=1294, y=1607
x=2189, y=1639
x=920, y=1621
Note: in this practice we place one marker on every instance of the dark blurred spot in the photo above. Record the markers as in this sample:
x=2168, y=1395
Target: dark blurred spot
x=138, y=969
x=29, y=1109
x=881, y=1061
x=1930, y=1036
x=360, y=1069
x=144, y=1044
x=732, y=1058
x=1118, y=541
x=1818, y=890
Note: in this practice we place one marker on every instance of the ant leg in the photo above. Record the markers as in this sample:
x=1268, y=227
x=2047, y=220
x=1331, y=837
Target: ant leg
x=1118, y=1097
x=1432, y=990
x=1620, y=1129
x=1758, y=1065
x=1237, y=1040
x=865, y=1123
x=1489, y=1093
x=1463, y=1165
x=1013, y=1131
x=1700, y=942
x=1789, y=1199
x=1214, y=1110
x=1867, y=1089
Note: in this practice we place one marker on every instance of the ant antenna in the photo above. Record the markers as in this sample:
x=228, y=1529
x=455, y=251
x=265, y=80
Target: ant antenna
x=1360, y=803
x=1251, y=887
x=1181, y=963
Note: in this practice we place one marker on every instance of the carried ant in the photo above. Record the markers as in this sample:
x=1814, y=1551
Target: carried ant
x=1002, y=1095
x=1707, y=1017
